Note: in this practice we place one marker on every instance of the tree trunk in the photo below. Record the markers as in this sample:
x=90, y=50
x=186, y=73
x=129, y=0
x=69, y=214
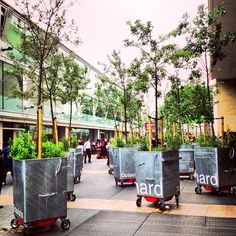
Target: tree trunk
x=156, y=109
x=40, y=117
x=69, y=138
x=52, y=117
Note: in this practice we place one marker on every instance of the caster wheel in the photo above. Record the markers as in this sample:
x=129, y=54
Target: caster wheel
x=72, y=197
x=219, y=193
x=65, y=224
x=191, y=177
x=198, y=190
x=139, y=202
x=14, y=224
x=232, y=190
x=177, y=200
x=162, y=205
x=110, y=171
x=27, y=231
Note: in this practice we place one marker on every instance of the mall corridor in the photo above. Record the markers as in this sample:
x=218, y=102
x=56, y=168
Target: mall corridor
x=102, y=208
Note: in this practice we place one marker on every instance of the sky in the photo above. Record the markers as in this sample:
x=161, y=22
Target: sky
x=103, y=23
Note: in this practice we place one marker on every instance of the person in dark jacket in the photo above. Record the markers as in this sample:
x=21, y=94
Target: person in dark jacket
x=7, y=162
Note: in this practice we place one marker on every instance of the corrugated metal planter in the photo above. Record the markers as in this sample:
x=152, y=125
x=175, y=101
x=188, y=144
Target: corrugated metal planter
x=124, y=167
x=157, y=177
x=112, y=152
x=186, y=161
x=39, y=187
x=215, y=168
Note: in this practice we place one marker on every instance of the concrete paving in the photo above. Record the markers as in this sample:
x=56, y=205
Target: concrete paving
x=102, y=208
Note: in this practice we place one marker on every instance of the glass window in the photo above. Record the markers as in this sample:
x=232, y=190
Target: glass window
x=11, y=82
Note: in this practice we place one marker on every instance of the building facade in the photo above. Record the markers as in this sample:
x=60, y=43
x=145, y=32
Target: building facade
x=225, y=72
x=19, y=114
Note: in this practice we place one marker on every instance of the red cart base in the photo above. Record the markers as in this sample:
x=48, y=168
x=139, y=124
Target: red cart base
x=159, y=202
x=218, y=191
x=17, y=222
x=122, y=181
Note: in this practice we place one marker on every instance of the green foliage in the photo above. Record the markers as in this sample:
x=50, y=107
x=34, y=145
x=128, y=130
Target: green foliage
x=22, y=147
x=142, y=143
x=173, y=142
x=65, y=144
x=210, y=141
x=186, y=103
x=74, y=141
x=49, y=149
x=117, y=142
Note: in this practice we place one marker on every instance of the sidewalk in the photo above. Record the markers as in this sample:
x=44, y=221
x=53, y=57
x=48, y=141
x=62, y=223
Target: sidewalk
x=101, y=208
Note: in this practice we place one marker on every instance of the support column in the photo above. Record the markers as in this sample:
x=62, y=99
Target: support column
x=1, y=135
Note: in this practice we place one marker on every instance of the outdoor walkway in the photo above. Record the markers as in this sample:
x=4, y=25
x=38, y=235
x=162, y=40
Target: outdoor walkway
x=102, y=208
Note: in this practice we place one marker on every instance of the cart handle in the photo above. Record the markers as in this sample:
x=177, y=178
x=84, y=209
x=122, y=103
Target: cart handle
x=151, y=179
x=47, y=195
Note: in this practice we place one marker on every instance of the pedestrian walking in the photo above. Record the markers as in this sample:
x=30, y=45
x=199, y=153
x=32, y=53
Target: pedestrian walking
x=98, y=148
x=7, y=163
x=87, y=148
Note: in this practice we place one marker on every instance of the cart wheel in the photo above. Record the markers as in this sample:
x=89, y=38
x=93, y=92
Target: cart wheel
x=162, y=205
x=177, y=200
x=232, y=190
x=72, y=197
x=65, y=224
x=139, y=202
x=110, y=171
x=27, y=230
x=198, y=190
x=219, y=192
x=191, y=177
x=14, y=224
x=116, y=182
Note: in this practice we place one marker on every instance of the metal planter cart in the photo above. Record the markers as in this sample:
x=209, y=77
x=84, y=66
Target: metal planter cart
x=70, y=177
x=157, y=177
x=39, y=187
x=112, y=152
x=186, y=161
x=215, y=169
x=78, y=164
x=124, y=167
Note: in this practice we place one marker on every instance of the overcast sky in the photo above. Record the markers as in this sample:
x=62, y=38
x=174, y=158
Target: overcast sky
x=102, y=23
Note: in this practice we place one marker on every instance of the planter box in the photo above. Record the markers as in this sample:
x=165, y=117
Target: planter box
x=215, y=167
x=186, y=162
x=124, y=167
x=157, y=176
x=39, y=187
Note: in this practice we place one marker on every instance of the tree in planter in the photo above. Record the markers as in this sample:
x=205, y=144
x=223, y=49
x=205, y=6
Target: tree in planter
x=127, y=86
x=74, y=80
x=204, y=37
x=44, y=24
x=185, y=103
x=53, y=81
x=154, y=56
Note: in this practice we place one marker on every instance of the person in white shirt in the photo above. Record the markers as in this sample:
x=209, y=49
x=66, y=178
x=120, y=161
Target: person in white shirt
x=87, y=148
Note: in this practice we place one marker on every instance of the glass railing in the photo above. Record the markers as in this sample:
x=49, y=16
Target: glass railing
x=16, y=105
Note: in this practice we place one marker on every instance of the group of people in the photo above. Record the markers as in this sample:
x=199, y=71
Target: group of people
x=5, y=166
x=100, y=147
